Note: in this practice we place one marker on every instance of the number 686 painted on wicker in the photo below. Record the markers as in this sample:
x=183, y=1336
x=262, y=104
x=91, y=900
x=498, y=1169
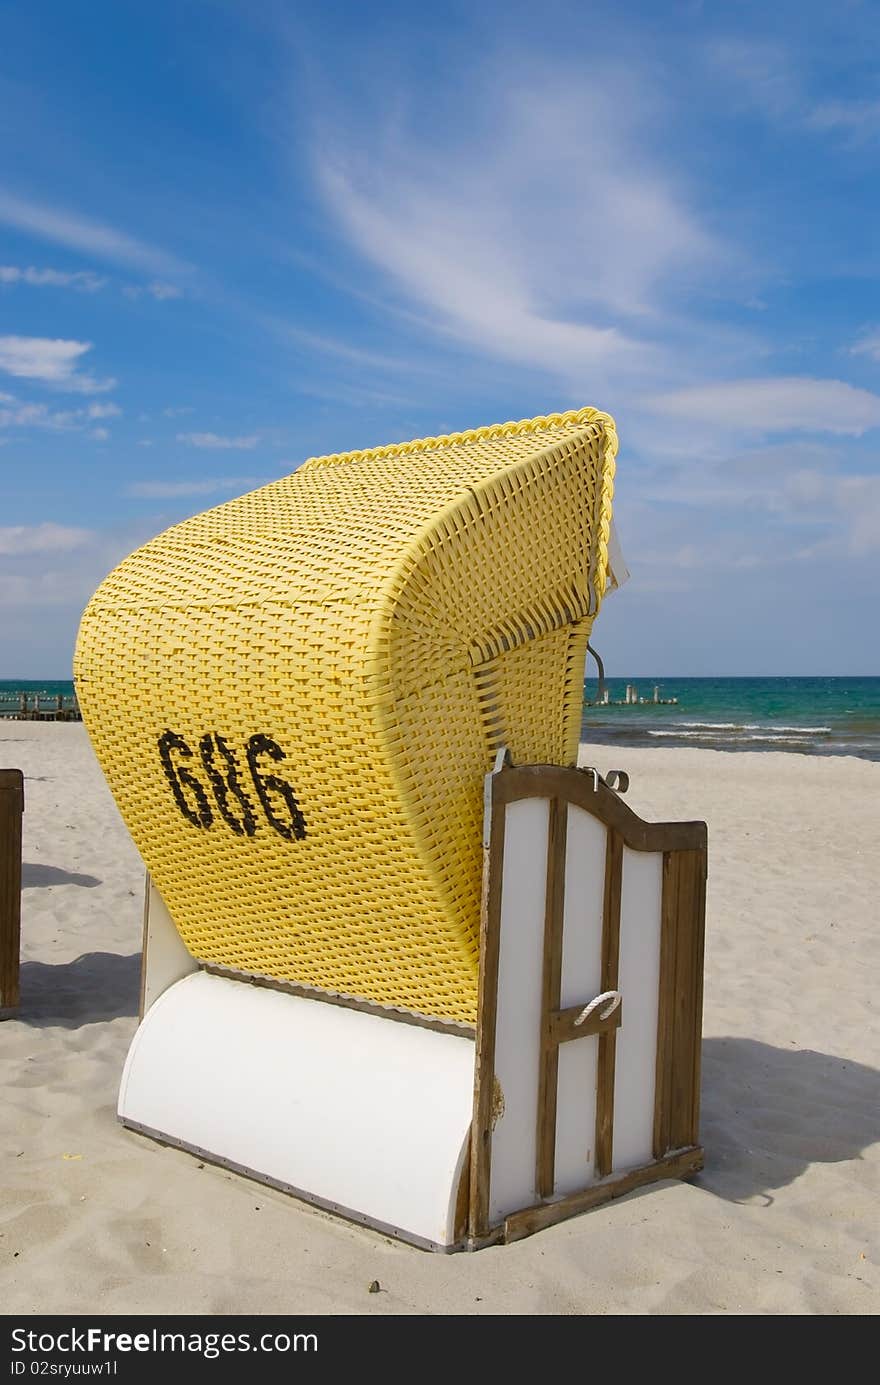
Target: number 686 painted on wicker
x=221, y=767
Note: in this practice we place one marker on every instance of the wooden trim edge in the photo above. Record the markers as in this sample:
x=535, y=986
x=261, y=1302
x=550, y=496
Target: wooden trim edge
x=681, y=1164
x=345, y=1002
x=578, y=786
x=551, y=984
x=487, y=1014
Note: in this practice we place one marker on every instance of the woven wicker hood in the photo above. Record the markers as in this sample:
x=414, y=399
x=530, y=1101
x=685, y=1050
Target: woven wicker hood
x=295, y=697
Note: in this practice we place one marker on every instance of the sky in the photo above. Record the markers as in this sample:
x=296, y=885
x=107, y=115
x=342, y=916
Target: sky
x=236, y=235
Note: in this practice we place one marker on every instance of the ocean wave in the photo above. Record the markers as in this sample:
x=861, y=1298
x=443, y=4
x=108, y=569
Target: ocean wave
x=758, y=734
x=752, y=726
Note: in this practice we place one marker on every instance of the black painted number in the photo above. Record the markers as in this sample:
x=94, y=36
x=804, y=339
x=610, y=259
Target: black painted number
x=196, y=810
x=246, y=825
x=270, y=783
x=222, y=770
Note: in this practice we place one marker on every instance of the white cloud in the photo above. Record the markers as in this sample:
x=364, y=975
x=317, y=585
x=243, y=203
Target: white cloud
x=244, y=444
x=81, y=233
x=52, y=361
x=83, y=280
x=355, y=355
x=52, y=566
x=760, y=75
x=28, y=415
x=15, y=414
x=860, y=119
x=100, y=434
x=41, y=538
x=769, y=78
x=781, y=405
x=175, y=413
x=727, y=555
x=209, y=485
x=850, y=503
x=158, y=289
x=145, y=442
x=759, y=506
x=539, y=233
x=860, y=499
x=868, y=346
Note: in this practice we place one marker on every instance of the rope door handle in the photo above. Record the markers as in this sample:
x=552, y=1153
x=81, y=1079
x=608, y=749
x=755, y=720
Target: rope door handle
x=610, y=999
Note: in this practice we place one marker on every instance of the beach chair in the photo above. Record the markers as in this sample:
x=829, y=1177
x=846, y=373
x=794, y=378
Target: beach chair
x=11, y=809
x=297, y=698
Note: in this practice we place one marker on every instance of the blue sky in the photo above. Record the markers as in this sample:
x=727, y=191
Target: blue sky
x=233, y=236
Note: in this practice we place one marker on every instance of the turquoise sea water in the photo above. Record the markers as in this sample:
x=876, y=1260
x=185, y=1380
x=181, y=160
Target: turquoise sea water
x=47, y=690
x=813, y=716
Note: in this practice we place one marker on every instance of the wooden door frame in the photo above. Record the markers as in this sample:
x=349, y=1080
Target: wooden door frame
x=676, y=1103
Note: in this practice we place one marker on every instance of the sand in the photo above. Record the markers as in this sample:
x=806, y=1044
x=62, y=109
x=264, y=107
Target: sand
x=94, y=1218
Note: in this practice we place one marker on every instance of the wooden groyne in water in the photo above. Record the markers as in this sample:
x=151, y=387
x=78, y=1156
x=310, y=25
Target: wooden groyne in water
x=632, y=699
x=39, y=707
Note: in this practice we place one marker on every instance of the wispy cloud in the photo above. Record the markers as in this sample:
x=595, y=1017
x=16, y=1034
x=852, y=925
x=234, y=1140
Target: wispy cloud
x=217, y=440
x=76, y=232
x=100, y=434
x=758, y=75
x=14, y=413
x=177, y=412
x=51, y=361
x=868, y=345
x=52, y=566
x=859, y=119
x=206, y=485
x=545, y=235
x=41, y=538
x=785, y=404
x=850, y=504
x=755, y=507
x=770, y=79
x=332, y=346
x=81, y=279
x=158, y=289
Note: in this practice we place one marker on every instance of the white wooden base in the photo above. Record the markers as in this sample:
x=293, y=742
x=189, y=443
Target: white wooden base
x=359, y=1114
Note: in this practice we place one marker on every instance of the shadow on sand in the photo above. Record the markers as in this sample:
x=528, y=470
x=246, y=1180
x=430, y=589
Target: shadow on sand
x=38, y=876
x=769, y=1113
x=97, y=986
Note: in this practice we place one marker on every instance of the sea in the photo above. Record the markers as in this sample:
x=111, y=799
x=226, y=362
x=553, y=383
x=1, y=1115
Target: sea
x=806, y=716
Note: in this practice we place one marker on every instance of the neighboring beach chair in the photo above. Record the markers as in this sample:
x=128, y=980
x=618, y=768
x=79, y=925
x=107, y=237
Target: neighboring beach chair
x=11, y=809
x=296, y=698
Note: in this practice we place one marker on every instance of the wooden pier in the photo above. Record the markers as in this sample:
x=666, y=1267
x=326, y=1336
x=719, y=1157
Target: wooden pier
x=632, y=699
x=39, y=707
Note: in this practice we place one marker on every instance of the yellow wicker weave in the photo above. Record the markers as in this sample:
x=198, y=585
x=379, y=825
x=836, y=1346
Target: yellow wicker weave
x=295, y=696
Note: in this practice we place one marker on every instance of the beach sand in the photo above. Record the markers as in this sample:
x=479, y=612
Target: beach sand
x=94, y=1218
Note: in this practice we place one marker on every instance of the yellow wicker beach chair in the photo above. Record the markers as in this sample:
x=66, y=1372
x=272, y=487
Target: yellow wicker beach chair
x=296, y=696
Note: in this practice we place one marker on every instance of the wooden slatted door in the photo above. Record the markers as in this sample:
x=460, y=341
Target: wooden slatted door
x=589, y=1021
